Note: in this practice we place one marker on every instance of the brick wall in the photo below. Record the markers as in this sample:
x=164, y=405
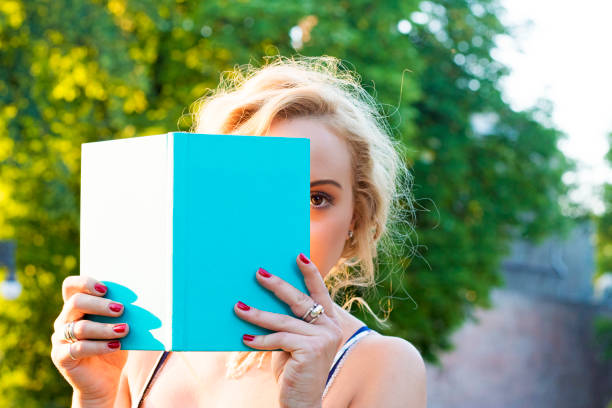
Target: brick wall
x=528, y=351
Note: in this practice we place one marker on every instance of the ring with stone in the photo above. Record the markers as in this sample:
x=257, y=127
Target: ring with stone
x=314, y=312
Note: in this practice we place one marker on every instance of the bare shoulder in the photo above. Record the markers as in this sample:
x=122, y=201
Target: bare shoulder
x=387, y=353
x=395, y=373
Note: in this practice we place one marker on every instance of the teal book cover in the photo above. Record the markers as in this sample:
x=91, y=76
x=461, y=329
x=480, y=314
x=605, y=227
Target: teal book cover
x=176, y=225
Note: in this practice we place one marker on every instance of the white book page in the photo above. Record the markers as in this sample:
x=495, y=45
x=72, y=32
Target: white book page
x=126, y=191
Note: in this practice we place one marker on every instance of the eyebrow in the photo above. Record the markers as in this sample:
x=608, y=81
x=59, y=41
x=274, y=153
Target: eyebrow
x=319, y=182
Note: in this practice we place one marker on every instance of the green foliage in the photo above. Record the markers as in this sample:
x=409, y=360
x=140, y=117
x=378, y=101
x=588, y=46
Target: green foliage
x=603, y=334
x=477, y=190
x=603, y=324
x=604, y=225
x=75, y=72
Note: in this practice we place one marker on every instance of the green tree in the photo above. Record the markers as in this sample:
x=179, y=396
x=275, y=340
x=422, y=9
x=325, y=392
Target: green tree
x=477, y=187
x=604, y=225
x=75, y=72
x=603, y=325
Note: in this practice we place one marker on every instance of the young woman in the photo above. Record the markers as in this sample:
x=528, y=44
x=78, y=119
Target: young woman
x=354, y=171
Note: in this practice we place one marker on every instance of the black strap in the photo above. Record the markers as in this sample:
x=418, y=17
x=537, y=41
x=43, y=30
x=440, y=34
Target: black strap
x=163, y=357
x=157, y=367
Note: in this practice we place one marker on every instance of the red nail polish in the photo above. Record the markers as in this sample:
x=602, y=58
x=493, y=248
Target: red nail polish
x=100, y=288
x=120, y=328
x=114, y=344
x=248, y=337
x=304, y=259
x=264, y=273
x=243, y=306
x=115, y=307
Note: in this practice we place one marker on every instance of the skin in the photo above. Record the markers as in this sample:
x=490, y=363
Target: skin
x=381, y=371
x=329, y=160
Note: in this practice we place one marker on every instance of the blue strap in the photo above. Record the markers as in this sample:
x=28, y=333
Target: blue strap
x=331, y=372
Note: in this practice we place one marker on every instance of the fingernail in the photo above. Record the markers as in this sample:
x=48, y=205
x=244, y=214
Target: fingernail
x=304, y=259
x=120, y=328
x=100, y=288
x=243, y=306
x=247, y=337
x=113, y=344
x=264, y=273
x=115, y=307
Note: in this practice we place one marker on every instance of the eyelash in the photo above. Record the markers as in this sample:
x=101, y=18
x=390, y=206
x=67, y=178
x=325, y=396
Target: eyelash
x=326, y=196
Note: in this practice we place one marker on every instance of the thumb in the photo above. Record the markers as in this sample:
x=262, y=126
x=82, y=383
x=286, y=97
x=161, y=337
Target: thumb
x=279, y=359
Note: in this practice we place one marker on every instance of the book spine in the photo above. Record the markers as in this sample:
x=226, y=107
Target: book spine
x=169, y=236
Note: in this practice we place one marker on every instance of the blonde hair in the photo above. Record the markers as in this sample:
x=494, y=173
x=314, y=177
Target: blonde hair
x=250, y=98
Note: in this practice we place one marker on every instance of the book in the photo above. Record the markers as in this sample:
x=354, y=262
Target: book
x=176, y=225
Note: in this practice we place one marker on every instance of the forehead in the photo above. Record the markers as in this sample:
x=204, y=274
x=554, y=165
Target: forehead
x=329, y=154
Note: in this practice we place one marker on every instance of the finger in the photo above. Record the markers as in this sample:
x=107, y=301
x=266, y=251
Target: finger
x=298, y=301
x=85, y=284
x=315, y=284
x=281, y=340
x=80, y=304
x=274, y=321
x=85, y=348
x=88, y=330
x=291, y=342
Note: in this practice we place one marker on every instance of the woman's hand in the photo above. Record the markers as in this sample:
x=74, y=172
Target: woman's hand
x=309, y=348
x=92, y=364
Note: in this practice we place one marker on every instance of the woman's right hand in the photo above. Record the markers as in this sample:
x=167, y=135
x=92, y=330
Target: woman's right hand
x=92, y=364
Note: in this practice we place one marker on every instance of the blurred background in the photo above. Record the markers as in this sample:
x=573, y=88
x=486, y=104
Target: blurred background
x=504, y=107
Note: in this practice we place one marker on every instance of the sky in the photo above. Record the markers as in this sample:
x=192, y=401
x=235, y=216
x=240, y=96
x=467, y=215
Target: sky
x=562, y=51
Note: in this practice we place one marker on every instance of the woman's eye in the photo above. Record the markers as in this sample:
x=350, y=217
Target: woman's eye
x=317, y=198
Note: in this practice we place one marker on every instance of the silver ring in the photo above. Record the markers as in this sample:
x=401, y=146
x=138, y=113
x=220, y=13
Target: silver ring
x=314, y=312
x=70, y=351
x=69, y=333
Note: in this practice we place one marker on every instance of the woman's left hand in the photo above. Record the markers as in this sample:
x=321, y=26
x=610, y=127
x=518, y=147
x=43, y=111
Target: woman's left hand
x=309, y=348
